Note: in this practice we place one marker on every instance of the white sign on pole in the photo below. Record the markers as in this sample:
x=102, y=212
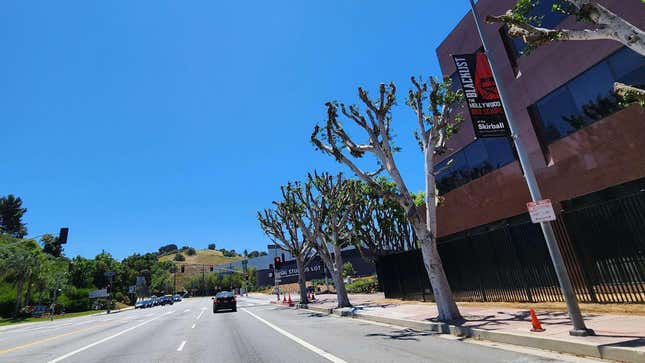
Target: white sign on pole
x=541, y=211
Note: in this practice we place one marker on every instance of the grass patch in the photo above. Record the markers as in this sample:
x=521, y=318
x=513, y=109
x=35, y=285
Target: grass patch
x=9, y=321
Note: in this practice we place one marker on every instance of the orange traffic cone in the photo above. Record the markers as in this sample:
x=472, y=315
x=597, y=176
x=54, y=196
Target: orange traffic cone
x=284, y=299
x=290, y=301
x=537, y=327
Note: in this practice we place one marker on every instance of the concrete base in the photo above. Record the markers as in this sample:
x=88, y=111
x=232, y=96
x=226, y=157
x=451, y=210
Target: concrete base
x=581, y=332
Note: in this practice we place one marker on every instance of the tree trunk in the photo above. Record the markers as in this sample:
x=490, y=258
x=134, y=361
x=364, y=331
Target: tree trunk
x=28, y=298
x=427, y=234
x=300, y=264
x=337, y=274
x=19, y=285
x=446, y=305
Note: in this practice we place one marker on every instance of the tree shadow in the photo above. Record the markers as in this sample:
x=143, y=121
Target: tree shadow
x=504, y=318
x=405, y=334
x=634, y=343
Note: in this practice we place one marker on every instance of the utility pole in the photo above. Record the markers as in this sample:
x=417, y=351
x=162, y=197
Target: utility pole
x=203, y=279
x=579, y=328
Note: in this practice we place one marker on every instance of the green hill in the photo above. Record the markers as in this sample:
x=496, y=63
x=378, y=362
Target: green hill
x=194, y=264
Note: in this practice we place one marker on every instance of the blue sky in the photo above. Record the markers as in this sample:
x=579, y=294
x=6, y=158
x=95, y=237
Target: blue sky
x=141, y=123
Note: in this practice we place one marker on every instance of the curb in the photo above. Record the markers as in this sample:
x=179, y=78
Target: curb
x=598, y=351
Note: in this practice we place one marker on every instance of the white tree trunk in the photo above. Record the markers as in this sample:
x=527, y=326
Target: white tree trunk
x=300, y=264
x=341, y=291
x=339, y=284
x=427, y=234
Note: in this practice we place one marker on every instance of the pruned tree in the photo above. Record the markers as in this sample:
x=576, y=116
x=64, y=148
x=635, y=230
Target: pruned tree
x=434, y=128
x=322, y=207
x=379, y=224
x=281, y=226
x=603, y=25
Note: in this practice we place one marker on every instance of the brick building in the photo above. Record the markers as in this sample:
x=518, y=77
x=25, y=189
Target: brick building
x=593, y=150
x=588, y=154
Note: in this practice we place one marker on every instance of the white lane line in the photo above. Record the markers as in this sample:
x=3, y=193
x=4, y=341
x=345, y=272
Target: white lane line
x=200, y=315
x=106, y=339
x=313, y=348
x=181, y=346
x=187, y=310
x=193, y=327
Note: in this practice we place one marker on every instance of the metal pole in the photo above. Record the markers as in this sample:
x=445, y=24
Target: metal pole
x=579, y=328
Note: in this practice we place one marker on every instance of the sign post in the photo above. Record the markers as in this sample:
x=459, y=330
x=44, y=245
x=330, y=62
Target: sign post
x=579, y=328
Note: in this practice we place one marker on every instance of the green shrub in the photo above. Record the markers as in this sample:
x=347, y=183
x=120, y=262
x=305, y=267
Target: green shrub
x=366, y=285
x=179, y=257
x=191, y=252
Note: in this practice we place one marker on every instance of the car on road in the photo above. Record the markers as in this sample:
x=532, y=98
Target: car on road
x=140, y=304
x=166, y=300
x=224, y=300
x=176, y=297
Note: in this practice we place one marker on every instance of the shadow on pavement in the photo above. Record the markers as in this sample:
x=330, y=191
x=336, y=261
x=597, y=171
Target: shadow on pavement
x=405, y=334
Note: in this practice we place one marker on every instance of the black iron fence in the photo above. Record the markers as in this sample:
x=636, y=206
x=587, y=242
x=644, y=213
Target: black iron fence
x=603, y=244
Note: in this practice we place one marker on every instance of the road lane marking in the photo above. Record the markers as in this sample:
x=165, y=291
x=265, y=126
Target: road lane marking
x=187, y=310
x=311, y=347
x=200, y=315
x=31, y=344
x=193, y=327
x=106, y=339
x=181, y=346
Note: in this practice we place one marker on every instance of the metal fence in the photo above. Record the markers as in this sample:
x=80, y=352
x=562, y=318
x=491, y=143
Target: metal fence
x=603, y=244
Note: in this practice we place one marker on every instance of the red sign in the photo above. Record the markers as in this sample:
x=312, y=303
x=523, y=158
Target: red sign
x=541, y=211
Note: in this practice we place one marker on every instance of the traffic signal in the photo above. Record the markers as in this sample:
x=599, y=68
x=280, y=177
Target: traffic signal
x=62, y=235
x=277, y=262
x=182, y=269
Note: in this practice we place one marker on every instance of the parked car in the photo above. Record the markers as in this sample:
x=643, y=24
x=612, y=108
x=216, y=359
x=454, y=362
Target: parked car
x=140, y=304
x=176, y=297
x=224, y=300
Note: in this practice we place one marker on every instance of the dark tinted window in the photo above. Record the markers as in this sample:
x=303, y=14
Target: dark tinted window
x=588, y=97
x=473, y=161
x=455, y=82
x=224, y=294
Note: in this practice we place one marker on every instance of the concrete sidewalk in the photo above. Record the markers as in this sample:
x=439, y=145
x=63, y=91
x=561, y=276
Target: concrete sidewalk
x=618, y=337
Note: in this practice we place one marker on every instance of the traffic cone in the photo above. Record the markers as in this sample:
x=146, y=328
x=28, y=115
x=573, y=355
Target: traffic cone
x=290, y=301
x=537, y=327
x=284, y=299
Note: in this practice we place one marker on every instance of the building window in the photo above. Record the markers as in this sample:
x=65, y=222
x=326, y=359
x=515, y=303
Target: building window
x=474, y=161
x=588, y=97
x=546, y=18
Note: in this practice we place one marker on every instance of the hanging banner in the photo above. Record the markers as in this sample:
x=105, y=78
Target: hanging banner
x=482, y=97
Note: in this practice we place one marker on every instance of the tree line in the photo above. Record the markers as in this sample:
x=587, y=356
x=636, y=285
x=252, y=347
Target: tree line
x=37, y=272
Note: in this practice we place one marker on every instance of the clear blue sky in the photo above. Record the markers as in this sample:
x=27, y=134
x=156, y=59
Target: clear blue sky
x=141, y=123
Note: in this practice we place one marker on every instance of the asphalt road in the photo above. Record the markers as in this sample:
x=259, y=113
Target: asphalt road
x=188, y=331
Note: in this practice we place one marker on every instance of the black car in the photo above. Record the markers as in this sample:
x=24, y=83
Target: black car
x=166, y=300
x=224, y=300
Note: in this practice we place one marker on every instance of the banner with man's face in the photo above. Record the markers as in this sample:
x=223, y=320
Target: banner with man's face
x=481, y=94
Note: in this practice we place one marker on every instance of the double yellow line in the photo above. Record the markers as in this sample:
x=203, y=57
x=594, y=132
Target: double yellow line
x=41, y=341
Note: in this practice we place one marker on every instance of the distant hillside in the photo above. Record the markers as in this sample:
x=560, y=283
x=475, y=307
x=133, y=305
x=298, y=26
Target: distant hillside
x=206, y=257
x=193, y=264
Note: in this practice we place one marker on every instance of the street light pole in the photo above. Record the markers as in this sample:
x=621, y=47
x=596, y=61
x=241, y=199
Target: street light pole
x=579, y=328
